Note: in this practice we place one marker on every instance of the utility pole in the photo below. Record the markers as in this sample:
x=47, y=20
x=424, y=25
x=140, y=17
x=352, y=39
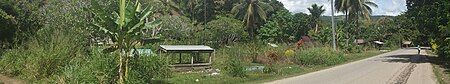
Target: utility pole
x=333, y=26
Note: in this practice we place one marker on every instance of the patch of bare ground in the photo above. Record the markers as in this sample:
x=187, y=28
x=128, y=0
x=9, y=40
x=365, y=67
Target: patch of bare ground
x=8, y=80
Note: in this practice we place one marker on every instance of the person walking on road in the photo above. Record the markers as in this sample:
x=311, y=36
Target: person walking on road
x=418, y=49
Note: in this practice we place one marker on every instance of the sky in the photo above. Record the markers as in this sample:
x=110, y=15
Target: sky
x=385, y=7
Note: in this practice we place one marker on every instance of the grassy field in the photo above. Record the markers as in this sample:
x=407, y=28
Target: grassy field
x=284, y=71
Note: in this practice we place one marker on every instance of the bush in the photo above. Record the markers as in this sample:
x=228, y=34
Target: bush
x=176, y=28
x=96, y=68
x=45, y=55
x=233, y=65
x=271, y=32
x=149, y=68
x=102, y=68
x=63, y=57
x=319, y=56
x=223, y=31
x=284, y=27
x=443, y=42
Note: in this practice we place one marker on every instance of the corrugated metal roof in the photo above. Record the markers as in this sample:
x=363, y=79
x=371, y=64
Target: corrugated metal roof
x=186, y=48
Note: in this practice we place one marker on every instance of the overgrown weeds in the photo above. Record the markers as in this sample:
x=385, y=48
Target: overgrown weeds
x=57, y=56
x=319, y=56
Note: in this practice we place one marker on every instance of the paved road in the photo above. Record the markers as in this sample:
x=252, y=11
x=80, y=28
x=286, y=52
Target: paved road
x=402, y=66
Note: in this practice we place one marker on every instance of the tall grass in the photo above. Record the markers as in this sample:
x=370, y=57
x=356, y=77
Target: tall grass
x=46, y=54
x=63, y=56
x=319, y=56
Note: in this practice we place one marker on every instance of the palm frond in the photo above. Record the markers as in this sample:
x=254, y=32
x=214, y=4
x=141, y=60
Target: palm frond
x=371, y=4
x=152, y=24
x=261, y=12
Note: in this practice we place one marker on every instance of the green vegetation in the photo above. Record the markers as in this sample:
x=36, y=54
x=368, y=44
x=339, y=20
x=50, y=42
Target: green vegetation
x=284, y=27
x=431, y=19
x=316, y=12
x=223, y=31
x=253, y=13
x=95, y=41
x=125, y=30
x=439, y=74
x=319, y=56
x=281, y=67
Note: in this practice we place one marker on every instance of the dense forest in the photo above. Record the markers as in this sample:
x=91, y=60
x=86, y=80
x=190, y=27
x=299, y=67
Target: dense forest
x=57, y=41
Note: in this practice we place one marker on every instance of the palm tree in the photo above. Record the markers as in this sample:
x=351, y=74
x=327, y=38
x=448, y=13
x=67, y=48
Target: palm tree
x=316, y=12
x=354, y=9
x=253, y=13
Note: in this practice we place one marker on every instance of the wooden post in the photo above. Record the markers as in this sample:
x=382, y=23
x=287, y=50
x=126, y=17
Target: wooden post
x=210, y=57
x=192, y=59
x=180, y=58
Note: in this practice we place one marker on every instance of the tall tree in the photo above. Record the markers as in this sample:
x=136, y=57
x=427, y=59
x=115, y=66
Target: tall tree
x=201, y=11
x=188, y=7
x=19, y=19
x=253, y=13
x=205, y=11
x=316, y=12
x=276, y=5
x=432, y=19
x=171, y=7
x=224, y=6
x=354, y=9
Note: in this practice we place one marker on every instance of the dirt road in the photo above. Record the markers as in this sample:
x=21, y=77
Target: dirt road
x=402, y=66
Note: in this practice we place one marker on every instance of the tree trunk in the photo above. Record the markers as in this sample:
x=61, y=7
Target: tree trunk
x=123, y=66
x=317, y=28
x=127, y=59
x=121, y=74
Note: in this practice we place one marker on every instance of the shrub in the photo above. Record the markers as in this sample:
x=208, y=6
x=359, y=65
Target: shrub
x=96, y=68
x=443, y=42
x=319, y=56
x=289, y=53
x=234, y=66
x=223, y=31
x=45, y=55
x=62, y=57
x=102, y=68
x=284, y=27
x=270, y=69
x=175, y=28
x=149, y=68
x=270, y=32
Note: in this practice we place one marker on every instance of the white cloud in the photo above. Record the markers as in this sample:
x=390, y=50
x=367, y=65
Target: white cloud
x=385, y=7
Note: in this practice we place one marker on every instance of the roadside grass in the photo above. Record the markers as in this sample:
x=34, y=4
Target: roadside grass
x=283, y=70
x=441, y=68
x=440, y=75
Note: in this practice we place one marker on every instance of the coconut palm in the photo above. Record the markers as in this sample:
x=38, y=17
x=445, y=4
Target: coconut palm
x=354, y=9
x=253, y=13
x=316, y=12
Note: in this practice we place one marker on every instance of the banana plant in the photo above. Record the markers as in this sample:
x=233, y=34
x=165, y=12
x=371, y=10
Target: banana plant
x=124, y=27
